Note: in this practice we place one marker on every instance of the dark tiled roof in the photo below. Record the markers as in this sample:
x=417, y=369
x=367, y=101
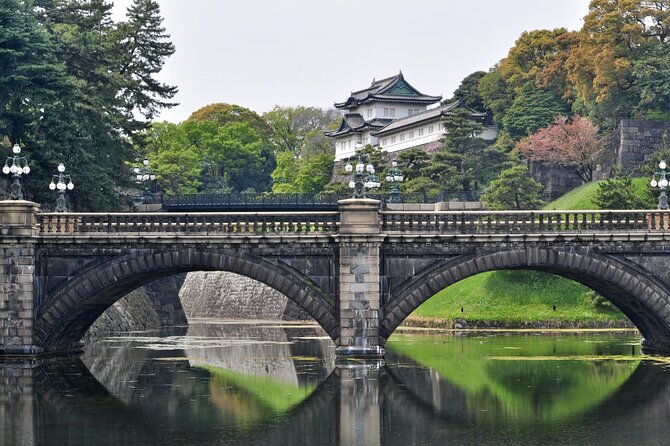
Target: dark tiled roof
x=354, y=122
x=391, y=89
x=422, y=117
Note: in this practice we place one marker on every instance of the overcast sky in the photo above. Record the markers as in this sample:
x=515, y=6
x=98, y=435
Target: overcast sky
x=261, y=53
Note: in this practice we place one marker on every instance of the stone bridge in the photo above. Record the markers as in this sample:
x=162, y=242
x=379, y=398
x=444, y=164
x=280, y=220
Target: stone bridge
x=359, y=272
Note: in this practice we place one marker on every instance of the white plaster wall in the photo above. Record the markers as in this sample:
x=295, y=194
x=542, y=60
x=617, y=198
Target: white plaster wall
x=346, y=146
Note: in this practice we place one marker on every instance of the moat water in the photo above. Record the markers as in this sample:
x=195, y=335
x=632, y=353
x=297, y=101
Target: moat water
x=224, y=383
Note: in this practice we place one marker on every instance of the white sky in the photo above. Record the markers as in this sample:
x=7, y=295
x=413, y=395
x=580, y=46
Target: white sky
x=261, y=53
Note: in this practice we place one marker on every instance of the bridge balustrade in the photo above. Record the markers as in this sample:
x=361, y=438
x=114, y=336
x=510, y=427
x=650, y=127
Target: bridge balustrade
x=444, y=222
x=527, y=222
x=248, y=223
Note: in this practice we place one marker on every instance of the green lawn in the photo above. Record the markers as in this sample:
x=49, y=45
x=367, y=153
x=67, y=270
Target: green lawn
x=583, y=197
x=517, y=299
x=522, y=298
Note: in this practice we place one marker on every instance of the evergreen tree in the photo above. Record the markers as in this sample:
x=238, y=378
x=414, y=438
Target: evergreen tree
x=464, y=149
x=532, y=109
x=143, y=48
x=513, y=189
x=30, y=77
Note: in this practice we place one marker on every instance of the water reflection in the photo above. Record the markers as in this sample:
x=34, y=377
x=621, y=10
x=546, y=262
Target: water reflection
x=231, y=384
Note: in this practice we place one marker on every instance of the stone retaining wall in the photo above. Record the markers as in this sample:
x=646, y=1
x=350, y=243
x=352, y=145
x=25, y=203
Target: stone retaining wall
x=635, y=142
x=225, y=295
x=152, y=306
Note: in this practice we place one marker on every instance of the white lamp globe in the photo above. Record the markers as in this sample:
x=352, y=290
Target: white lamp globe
x=662, y=164
x=360, y=167
x=26, y=169
x=152, y=177
x=6, y=169
x=145, y=162
x=60, y=185
x=61, y=167
x=139, y=177
x=16, y=149
x=348, y=167
x=52, y=186
x=13, y=169
x=70, y=185
x=136, y=170
x=653, y=183
x=663, y=183
x=352, y=184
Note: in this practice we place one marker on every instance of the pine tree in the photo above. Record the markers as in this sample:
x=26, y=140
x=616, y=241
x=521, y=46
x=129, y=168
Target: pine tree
x=29, y=78
x=143, y=49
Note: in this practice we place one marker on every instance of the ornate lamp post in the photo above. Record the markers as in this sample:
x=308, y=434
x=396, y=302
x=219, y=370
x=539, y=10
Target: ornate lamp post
x=662, y=184
x=394, y=177
x=19, y=166
x=60, y=178
x=143, y=175
x=363, y=178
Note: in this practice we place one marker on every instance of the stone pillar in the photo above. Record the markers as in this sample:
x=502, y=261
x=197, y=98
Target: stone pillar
x=17, y=400
x=359, y=241
x=360, y=417
x=17, y=275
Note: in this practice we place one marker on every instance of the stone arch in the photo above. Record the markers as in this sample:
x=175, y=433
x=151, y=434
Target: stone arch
x=636, y=292
x=69, y=311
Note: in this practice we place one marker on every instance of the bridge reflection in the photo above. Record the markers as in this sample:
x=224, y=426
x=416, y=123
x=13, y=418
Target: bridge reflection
x=150, y=393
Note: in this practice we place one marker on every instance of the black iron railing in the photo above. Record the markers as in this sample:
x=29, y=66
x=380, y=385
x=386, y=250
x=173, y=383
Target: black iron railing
x=293, y=202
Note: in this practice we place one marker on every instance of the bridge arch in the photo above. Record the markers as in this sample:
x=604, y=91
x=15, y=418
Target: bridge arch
x=641, y=296
x=69, y=311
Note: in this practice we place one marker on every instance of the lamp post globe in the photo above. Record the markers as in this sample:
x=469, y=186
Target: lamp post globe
x=363, y=177
x=661, y=183
x=395, y=177
x=144, y=176
x=19, y=166
x=58, y=184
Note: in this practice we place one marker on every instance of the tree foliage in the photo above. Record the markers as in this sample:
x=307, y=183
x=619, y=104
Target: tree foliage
x=572, y=143
x=513, y=189
x=222, y=114
x=292, y=127
x=532, y=109
x=468, y=92
x=75, y=86
x=618, y=193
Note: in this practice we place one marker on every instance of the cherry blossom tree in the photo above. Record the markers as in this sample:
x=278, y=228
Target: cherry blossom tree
x=573, y=143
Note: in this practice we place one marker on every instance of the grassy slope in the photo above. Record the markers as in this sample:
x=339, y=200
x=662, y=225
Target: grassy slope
x=515, y=298
x=583, y=197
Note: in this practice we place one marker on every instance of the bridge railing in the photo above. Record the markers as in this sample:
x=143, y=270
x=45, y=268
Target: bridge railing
x=251, y=223
x=501, y=222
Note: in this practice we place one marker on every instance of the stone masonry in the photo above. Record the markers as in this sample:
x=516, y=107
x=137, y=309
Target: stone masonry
x=17, y=272
x=635, y=142
x=359, y=278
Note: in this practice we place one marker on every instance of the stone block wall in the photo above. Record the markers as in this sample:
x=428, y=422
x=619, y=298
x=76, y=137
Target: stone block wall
x=555, y=179
x=152, y=306
x=16, y=299
x=224, y=295
x=635, y=141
